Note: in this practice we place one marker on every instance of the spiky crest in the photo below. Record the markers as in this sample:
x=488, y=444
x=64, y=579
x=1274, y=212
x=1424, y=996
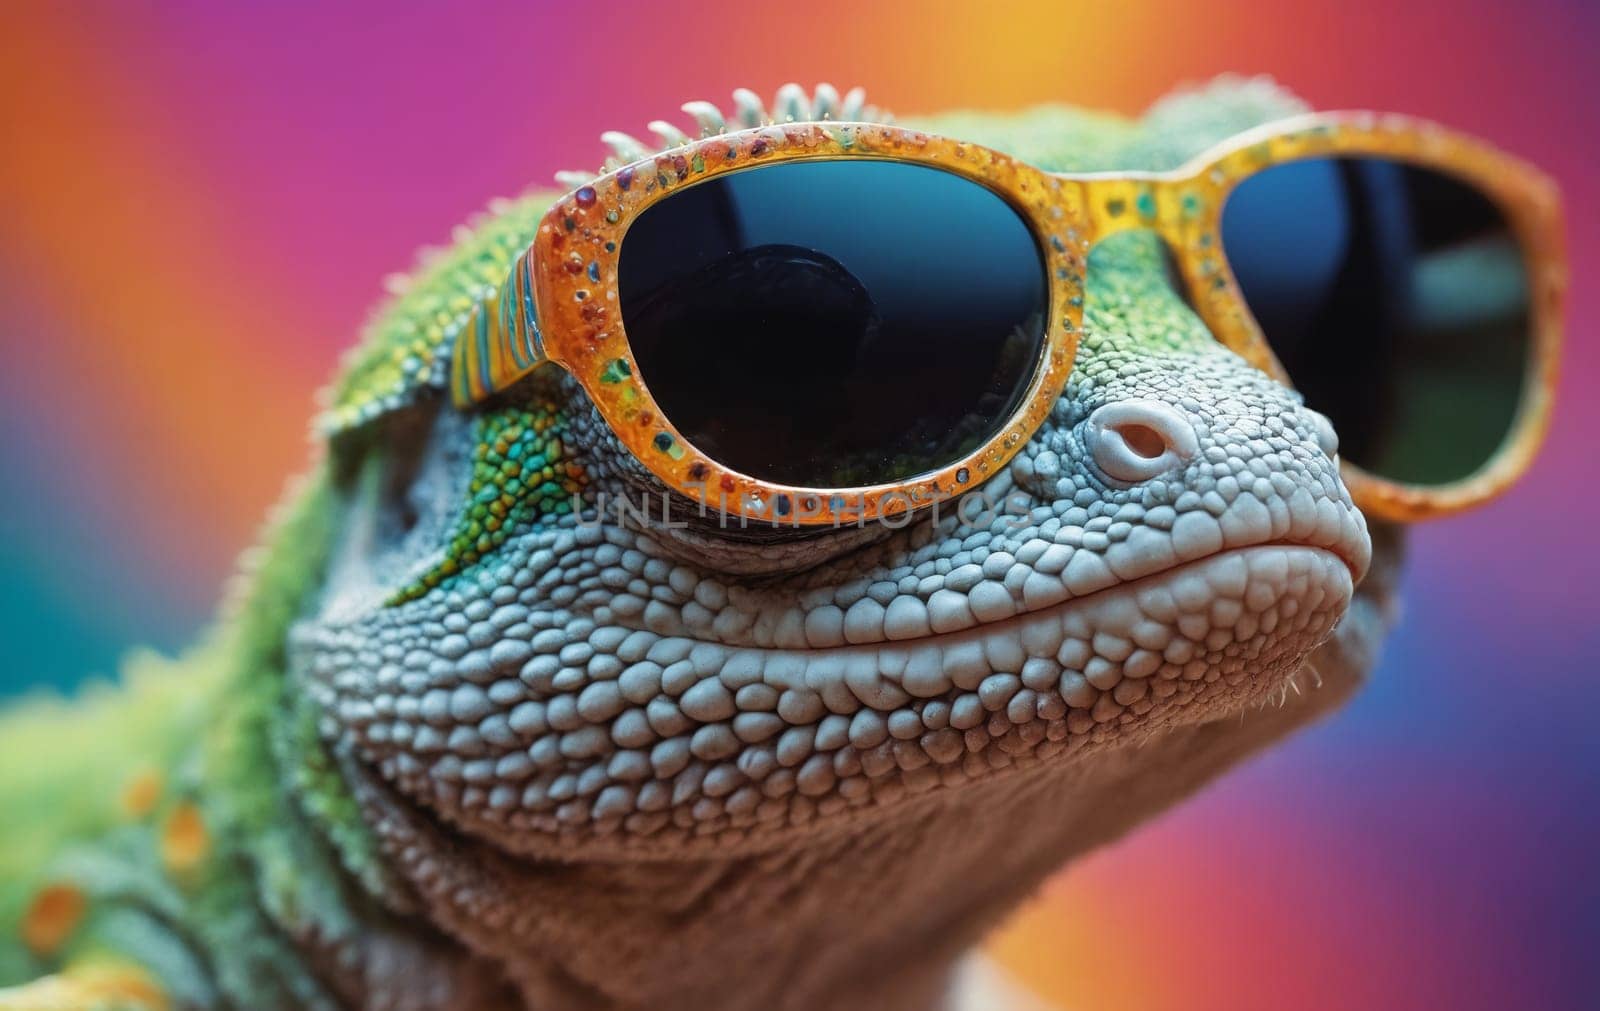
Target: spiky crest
x=790, y=105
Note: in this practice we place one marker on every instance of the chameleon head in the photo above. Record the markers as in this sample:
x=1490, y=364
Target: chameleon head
x=931, y=713
x=1166, y=551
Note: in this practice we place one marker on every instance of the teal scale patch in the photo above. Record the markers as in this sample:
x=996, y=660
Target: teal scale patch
x=521, y=472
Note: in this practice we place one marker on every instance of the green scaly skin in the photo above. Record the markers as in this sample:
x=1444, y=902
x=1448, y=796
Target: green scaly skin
x=454, y=747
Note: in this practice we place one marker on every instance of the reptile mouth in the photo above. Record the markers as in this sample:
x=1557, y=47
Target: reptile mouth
x=634, y=739
x=759, y=740
x=1197, y=622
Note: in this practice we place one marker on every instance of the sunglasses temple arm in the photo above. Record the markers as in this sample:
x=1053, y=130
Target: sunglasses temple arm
x=500, y=342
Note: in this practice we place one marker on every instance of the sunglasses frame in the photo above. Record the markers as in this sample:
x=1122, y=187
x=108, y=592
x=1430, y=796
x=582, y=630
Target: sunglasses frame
x=560, y=302
x=1530, y=201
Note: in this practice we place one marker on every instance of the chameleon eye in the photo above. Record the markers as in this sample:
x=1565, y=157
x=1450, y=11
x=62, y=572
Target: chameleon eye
x=835, y=323
x=1397, y=299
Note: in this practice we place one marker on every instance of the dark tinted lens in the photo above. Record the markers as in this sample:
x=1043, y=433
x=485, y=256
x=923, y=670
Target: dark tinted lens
x=1397, y=298
x=834, y=323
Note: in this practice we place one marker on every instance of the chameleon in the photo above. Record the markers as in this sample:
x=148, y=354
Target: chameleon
x=453, y=742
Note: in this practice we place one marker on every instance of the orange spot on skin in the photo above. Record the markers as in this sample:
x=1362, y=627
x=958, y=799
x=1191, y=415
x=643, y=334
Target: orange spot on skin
x=141, y=792
x=52, y=917
x=184, y=840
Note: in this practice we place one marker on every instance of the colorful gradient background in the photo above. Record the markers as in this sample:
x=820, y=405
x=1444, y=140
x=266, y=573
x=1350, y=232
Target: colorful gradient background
x=197, y=204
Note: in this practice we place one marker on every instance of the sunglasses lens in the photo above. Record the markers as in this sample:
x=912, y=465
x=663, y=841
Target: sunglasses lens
x=1397, y=299
x=834, y=324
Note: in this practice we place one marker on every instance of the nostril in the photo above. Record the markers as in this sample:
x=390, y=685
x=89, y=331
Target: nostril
x=1143, y=440
x=1135, y=440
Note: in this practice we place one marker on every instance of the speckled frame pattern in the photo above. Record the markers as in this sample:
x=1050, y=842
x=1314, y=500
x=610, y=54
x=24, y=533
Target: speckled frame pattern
x=560, y=302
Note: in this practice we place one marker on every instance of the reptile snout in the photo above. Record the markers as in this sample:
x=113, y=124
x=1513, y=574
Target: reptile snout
x=1135, y=440
x=1322, y=429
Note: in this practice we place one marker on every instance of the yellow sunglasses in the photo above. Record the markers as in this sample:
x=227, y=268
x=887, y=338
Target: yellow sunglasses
x=826, y=322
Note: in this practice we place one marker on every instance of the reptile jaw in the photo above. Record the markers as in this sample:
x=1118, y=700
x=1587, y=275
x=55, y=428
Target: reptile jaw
x=700, y=743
